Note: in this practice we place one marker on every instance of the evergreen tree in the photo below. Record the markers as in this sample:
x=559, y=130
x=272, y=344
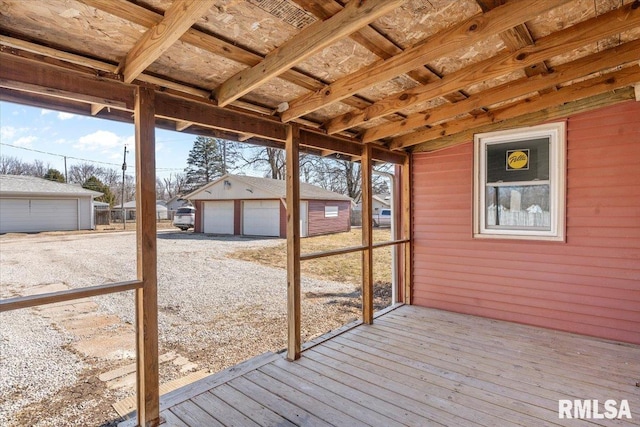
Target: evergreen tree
x=209, y=159
x=95, y=184
x=54, y=175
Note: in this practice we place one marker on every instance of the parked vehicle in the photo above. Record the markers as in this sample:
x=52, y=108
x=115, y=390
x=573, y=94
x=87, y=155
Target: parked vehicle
x=382, y=218
x=185, y=218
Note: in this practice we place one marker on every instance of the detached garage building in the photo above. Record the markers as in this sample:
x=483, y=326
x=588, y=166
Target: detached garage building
x=30, y=204
x=250, y=206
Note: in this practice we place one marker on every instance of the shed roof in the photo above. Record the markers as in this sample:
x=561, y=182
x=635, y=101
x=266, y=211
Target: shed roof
x=22, y=185
x=276, y=188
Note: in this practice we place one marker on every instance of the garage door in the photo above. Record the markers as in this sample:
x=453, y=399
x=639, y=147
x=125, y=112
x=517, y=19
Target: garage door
x=218, y=217
x=28, y=215
x=261, y=218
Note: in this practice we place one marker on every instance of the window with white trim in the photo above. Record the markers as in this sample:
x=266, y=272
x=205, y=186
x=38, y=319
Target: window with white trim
x=519, y=183
x=331, y=211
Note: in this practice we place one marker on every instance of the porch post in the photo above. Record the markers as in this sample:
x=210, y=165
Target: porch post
x=293, y=241
x=367, y=236
x=148, y=393
x=406, y=228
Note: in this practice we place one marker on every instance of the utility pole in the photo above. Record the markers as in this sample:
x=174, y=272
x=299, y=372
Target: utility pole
x=124, y=169
x=66, y=180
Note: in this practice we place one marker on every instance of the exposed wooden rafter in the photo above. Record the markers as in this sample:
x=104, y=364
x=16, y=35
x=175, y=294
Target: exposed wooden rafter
x=180, y=16
x=533, y=118
x=562, y=73
x=574, y=37
x=310, y=40
x=463, y=34
x=595, y=86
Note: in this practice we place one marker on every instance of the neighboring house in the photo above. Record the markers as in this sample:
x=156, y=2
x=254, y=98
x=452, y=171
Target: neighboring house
x=30, y=204
x=130, y=209
x=245, y=205
x=176, y=202
x=378, y=201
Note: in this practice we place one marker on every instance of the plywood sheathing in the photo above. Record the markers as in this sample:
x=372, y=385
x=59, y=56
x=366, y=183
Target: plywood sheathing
x=96, y=34
x=418, y=19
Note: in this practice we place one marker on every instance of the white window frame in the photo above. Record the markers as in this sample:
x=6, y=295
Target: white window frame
x=331, y=211
x=556, y=132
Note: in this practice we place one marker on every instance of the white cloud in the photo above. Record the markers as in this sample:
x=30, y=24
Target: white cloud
x=65, y=116
x=44, y=112
x=7, y=132
x=25, y=141
x=107, y=145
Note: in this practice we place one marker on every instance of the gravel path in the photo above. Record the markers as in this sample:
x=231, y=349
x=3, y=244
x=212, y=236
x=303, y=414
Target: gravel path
x=213, y=310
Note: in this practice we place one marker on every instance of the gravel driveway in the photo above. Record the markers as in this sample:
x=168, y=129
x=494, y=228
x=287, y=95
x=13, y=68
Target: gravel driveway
x=214, y=312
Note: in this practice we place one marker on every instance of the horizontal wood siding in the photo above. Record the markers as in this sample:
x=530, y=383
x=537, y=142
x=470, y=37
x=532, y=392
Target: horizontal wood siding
x=589, y=285
x=318, y=224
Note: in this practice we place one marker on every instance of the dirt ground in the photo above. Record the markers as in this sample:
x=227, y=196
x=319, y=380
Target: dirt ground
x=197, y=337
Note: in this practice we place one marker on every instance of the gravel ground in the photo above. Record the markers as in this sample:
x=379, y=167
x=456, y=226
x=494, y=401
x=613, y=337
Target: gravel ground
x=213, y=310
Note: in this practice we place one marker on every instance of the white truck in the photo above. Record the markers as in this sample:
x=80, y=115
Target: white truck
x=382, y=218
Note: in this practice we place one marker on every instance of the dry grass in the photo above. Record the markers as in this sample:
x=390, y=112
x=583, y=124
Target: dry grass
x=340, y=268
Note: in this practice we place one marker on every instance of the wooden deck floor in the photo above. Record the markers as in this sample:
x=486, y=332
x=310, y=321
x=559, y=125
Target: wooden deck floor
x=419, y=367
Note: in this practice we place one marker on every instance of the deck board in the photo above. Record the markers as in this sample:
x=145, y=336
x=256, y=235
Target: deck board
x=417, y=366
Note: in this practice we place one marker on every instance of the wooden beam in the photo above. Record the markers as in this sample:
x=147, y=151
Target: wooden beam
x=531, y=119
x=573, y=37
x=374, y=41
x=293, y=242
x=579, y=68
x=405, y=220
x=182, y=125
x=515, y=38
x=637, y=90
x=178, y=18
x=322, y=141
x=245, y=137
x=148, y=386
x=608, y=82
x=96, y=108
x=68, y=295
x=367, y=235
x=37, y=77
x=206, y=114
x=209, y=43
x=306, y=43
x=458, y=36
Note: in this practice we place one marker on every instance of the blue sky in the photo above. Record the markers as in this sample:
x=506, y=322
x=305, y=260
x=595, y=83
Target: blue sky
x=81, y=137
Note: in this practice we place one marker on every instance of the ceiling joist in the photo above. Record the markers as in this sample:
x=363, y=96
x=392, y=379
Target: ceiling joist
x=574, y=37
x=455, y=37
x=180, y=16
x=595, y=86
x=310, y=40
x=530, y=119
x=582, y=67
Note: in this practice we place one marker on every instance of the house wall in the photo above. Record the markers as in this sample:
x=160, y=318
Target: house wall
x=318, y=224
x=589, y=284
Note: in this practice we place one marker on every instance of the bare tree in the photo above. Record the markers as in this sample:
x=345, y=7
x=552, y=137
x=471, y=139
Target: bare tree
x=14, y=166
x=174, y=185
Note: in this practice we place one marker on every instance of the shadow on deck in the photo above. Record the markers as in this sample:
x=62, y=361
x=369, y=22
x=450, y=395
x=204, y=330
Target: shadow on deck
x=418, y=366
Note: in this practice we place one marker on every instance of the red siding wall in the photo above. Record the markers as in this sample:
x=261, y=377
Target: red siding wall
x=318, y=224
x=589, y=285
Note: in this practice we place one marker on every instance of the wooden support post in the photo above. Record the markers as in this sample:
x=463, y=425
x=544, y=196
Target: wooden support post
x=148, y=391
x=367, y=236
x=406, y=228
x=293, y=242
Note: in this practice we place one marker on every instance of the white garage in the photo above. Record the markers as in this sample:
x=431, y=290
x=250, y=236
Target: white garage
x=217, y=217
x=30, y=204
x=261, y=218
x=253, y=206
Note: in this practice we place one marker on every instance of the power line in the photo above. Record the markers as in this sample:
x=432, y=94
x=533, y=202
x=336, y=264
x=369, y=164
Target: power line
x=81, y=159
